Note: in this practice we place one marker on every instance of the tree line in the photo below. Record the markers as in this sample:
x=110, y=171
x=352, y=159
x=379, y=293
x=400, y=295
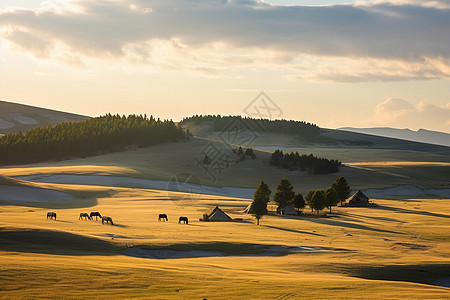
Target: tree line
x=316, y=199
x=220, y=123
x=311, y=163
x=104, y=134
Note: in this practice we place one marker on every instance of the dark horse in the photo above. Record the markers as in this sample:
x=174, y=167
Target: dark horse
x=85, y=216
x=95, y=214
x=51, y=215
x=163, y=217
x=107, y=219
x=183, y=219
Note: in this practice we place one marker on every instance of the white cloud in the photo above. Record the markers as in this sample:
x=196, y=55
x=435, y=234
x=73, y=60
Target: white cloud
x=397, y=112
x=379, y=41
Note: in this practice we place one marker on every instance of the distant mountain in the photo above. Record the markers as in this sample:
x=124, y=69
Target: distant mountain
x=422, y=135
x=15, y=117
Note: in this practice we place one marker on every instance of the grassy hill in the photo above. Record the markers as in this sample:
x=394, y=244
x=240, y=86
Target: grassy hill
x=363, y=168
x=15, y=117
x=369, y=162
x=398, y=249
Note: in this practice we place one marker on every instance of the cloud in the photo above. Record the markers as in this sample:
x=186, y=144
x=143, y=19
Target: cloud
x=398, y=112
x=402, y=40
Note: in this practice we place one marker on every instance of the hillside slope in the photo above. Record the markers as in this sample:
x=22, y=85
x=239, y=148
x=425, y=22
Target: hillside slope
x=421, y=135
x=15, y=117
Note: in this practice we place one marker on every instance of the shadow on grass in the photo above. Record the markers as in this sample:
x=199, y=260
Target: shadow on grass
x=119, y=225
x=81, y=203
x=53, y=242
x=414, y=212
x=293, y=230
x=347, y=225
x=425, y=274
x=375, y=218
x=217, y=249
x=229, y=248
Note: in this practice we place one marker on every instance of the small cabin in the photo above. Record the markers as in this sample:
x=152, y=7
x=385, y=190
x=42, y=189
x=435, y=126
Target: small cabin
x=358, y=199
x=217, y=215
x=286, y=210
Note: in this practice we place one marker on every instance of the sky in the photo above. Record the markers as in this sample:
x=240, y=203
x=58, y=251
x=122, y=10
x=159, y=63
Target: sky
x=380, y=63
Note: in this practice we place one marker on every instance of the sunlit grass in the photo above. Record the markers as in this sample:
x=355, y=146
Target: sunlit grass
x=73, y=258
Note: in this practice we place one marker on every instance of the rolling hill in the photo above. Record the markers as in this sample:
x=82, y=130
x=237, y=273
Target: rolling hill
x=15, y=117
x=421, y=135
x=397, y=249
x=369, y=163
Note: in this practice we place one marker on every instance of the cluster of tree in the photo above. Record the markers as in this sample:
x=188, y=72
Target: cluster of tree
x=283, y=196
x=311, y=163
x=337, y=192
x=95, y=136
x=317, y=200
x=244, y=154
x=220, y=123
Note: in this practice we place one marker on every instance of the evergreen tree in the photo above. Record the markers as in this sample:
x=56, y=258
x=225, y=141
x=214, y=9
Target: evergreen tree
x=284, y=194
x=308, y=198
x=342, y=188
x=318, y=201
x=331, y=198
x=299, y=202
x=260, y=199
x=94, y=136
x=295, y=161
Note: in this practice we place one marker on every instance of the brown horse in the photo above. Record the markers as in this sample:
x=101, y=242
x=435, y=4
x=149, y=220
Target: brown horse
x=95, y=214
x=107, y=220
x=183, y=219
x=85, y=216
x=163, y=217
x=51, y=215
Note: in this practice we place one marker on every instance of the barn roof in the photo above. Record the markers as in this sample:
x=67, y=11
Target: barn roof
x=217, y=215
x=360, y=195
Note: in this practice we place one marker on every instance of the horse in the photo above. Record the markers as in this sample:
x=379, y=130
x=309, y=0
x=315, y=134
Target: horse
x=85, y=216
x=107, y=219
x=95, y=214
x=183, y=219
x=163, y=217
x=51, y=215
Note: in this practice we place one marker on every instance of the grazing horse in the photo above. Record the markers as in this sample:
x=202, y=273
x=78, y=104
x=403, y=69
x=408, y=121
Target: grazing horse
x=163, y=217
x=107, y=219
x=95, y=214
x=85, y=216
x=51, y=215
x=183, y=219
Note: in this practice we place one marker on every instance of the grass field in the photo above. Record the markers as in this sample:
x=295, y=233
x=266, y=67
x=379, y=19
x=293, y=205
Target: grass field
x=395, y=250
x=388, y=167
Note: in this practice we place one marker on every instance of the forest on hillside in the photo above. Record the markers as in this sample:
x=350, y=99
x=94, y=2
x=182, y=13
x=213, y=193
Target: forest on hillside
x=104, y=134
x=220, y=123
x=311, y=163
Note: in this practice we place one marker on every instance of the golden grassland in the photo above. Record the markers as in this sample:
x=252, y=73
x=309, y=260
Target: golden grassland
x=394, y=250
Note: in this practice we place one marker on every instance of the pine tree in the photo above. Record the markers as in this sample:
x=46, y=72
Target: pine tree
x=299, y=202
x=308, y=198
x=331, y=198
x=284, y=194
x=260, y=199
x=342, y=188
x=318, y=201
